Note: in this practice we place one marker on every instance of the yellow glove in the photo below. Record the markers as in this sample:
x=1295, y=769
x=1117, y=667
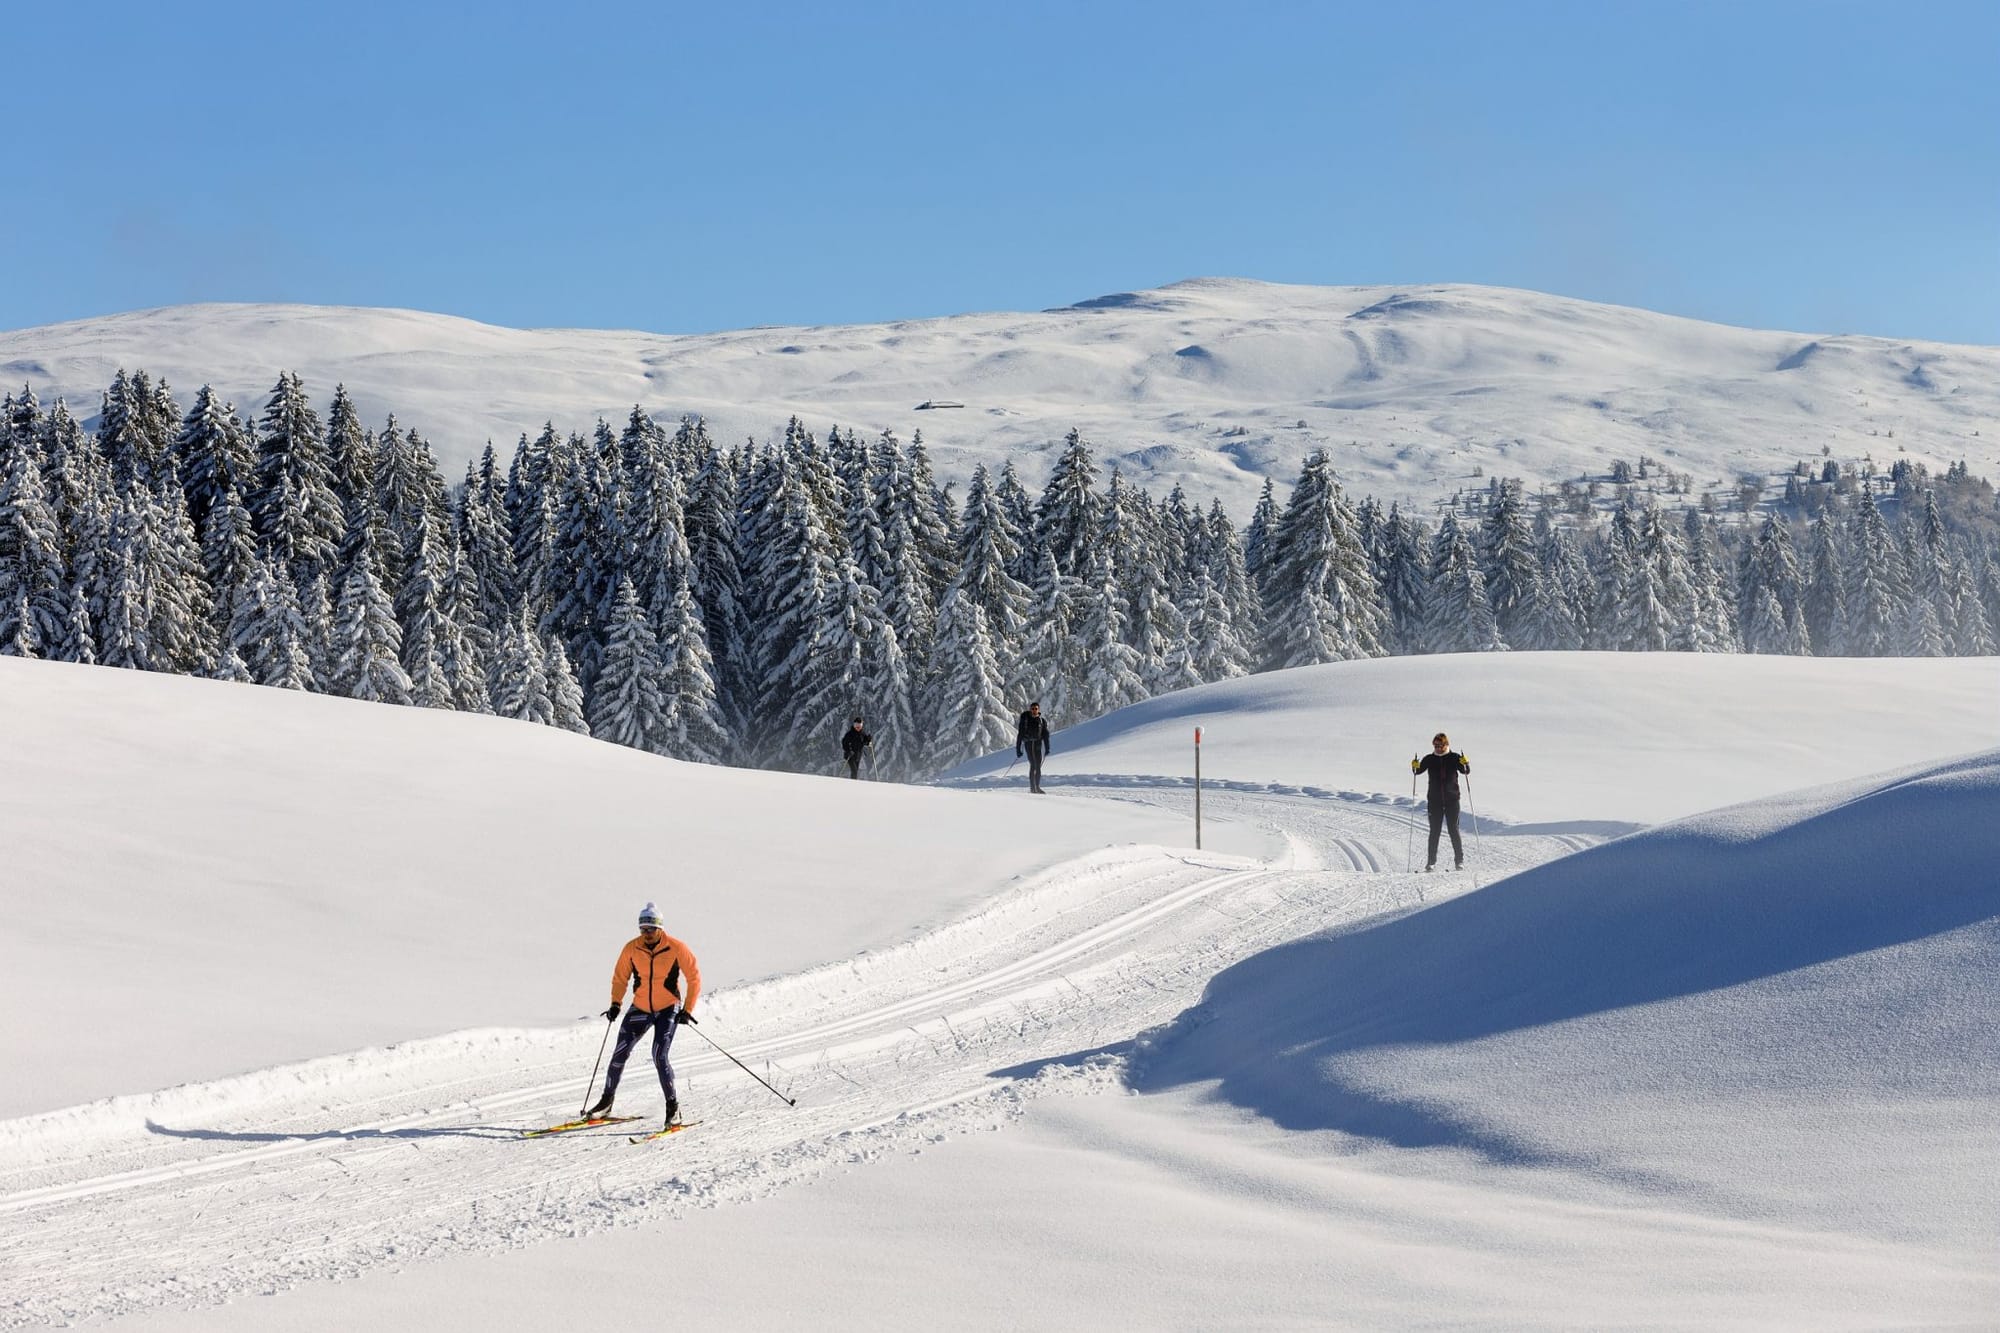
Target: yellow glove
x=1416, y=764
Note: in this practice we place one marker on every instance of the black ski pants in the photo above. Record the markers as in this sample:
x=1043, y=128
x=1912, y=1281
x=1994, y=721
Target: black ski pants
x=629, y=1031
x=854, y=767
x=1034, y=766
x=1445, y=814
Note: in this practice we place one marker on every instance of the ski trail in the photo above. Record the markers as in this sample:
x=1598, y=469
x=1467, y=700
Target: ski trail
x=337, y=1166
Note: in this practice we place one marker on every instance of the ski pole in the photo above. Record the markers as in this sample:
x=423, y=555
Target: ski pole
x=789, y=1101
x=594, y=1068
x=1410, y=842
x=1473, y=810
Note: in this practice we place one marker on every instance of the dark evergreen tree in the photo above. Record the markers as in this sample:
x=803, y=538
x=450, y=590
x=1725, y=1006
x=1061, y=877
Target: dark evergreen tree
x=298, y=517
x=1066, y=520
x=1321, y=602
x=699, y=728
x=1457, y=617
x=367, y=645
x=216, y=455
x=969, y=710
x=628, y=708
x=1825, y=599
x=1771, y=593
x=1507, y=558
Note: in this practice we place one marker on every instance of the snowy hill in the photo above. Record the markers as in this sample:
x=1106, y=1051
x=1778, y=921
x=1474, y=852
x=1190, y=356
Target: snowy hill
x=1695, y=1013
x=1633, y=738
x=1736, y=1069
x=270, y=875
x=1211, y=383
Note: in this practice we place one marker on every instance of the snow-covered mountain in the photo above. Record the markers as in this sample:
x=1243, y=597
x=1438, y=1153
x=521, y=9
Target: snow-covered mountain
x=1211, y=383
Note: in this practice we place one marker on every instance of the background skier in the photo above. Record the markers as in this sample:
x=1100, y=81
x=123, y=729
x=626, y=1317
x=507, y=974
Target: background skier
x=1444, y=767
x=853, y=742
x=1032, y=736
x=665, y=983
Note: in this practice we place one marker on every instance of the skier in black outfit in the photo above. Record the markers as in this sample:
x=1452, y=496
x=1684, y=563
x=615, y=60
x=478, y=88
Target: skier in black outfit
x=852, y=742
x=1032, y=736
x=1444, y=766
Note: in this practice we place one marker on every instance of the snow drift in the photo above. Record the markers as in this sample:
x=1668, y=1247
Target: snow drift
x=1785, y=1010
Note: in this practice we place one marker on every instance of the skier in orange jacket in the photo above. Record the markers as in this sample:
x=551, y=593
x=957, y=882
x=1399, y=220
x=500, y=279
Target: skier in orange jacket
x=665, y=982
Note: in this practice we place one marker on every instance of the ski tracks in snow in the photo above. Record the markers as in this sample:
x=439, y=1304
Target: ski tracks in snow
x=329, y=1168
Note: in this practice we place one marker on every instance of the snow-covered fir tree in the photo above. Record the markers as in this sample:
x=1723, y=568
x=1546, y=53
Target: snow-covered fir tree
x=712, y=527
x=987, y=552
x=1211, y=645
x=1108, y=667
x=627, y=707
x=1053, y=658
x=698, y=728
x=799, y=580
x=565, y=693
x=1557, y=595
x=968, y=713
x=268, y=632
x=1457, y=617
x=1404, y=574
x=34, y=584
x=1877, y=584
x=1066, y=519
x=1321, y=601
x=367, y=642
x=216, y=456
x=1825, y=599
x=1508, y=561
x=298, y=516
x=520, y=674
x=1771, y=593
x=1257, y=536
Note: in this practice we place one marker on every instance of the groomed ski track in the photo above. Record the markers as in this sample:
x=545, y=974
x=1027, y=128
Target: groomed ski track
x=329, y=1168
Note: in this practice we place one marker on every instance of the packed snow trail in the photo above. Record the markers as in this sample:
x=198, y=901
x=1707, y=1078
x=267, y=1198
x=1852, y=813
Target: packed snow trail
x=329, y=1168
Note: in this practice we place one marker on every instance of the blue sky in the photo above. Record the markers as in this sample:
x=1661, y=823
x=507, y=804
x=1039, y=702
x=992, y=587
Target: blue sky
x=679, y=168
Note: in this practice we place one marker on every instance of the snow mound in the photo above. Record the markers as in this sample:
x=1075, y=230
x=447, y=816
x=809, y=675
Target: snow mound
x=1688, y=1011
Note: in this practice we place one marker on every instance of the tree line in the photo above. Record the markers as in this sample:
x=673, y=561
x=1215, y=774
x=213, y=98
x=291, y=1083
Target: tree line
x=736, y=604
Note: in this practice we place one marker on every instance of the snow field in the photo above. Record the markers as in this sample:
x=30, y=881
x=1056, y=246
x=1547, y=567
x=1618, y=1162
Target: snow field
x=1596, y=739
x=1734, y=1070
x=885, y=1053
x=206, y=878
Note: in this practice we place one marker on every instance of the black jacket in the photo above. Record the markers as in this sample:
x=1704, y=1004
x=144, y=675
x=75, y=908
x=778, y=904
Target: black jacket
x=1444, y=770
x=853, y=742
x=1033, y=731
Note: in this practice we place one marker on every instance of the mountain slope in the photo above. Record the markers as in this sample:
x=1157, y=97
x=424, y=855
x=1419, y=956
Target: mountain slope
x=1211, y=383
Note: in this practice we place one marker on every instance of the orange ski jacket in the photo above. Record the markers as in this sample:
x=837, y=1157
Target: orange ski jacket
x=661, y=974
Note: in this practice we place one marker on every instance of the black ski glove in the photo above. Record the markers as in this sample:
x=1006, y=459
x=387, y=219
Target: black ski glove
x=686, y=1017
x=611, y=1014
x=1017, y=752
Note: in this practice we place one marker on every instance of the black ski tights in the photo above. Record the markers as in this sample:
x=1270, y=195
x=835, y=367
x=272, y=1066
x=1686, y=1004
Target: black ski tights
x=1445, y=815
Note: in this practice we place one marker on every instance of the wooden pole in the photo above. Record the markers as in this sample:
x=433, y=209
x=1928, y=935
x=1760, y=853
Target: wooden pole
x=1197, y=788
